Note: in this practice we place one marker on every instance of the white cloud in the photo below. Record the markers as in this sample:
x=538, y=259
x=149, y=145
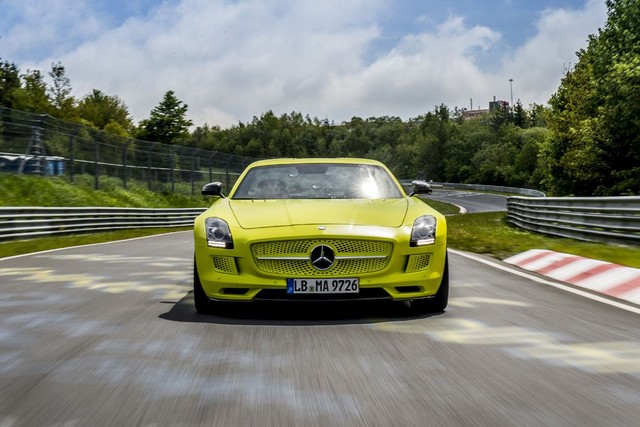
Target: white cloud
x=52, y=27
x=538, y=66
x=227, y=60
x=232, y=60
x=424, y=70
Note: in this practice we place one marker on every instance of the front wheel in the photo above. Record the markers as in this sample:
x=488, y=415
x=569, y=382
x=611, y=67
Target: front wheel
x=440, y=301
x=202, y=303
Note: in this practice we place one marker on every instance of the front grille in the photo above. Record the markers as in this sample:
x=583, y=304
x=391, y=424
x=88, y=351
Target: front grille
x=418, y=262
x=301, y=249
x=225, y=264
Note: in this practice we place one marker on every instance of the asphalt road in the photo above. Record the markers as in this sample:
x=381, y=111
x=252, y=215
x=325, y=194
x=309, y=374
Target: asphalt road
x=107, y=335
x=472, y=202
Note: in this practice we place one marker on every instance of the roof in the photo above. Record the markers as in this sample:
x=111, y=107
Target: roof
x=296, y=161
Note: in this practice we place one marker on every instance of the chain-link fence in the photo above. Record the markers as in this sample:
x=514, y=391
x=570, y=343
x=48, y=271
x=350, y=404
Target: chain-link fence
x=42, y=145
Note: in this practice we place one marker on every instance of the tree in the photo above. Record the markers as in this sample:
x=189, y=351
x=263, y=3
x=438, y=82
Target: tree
x=32, y=94
x=9, y=83
x=520, y=117
x=168, y=122
x=60, y=93
x=470, y=137
x=595, y=114
x=529, y=165
x=101, y=110
x=435, y=129
x=537, y=115
x=501, y=115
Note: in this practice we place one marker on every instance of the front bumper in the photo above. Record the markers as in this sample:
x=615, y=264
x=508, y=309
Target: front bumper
x=233, y=275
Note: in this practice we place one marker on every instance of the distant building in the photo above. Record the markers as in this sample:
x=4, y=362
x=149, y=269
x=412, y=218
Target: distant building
x=493, y=105
x=496, y=105
x=472, y=114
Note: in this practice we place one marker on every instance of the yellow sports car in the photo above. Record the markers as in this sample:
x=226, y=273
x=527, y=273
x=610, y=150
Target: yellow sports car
x=320, y=229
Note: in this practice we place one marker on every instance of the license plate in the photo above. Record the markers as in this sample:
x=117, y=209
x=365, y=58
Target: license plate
x=323, y=286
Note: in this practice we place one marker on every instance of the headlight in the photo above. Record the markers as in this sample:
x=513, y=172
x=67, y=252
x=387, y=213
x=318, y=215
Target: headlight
x=424, y=231
x=218, y=233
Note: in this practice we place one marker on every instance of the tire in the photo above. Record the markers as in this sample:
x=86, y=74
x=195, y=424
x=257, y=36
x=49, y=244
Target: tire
x=202, y=303
x=440, y=301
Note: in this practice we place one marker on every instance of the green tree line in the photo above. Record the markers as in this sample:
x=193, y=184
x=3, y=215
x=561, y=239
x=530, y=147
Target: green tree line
x=595, y=114
x=587, y=142
x=440, y=145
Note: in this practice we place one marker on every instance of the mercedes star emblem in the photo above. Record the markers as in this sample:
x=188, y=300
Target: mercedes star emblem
x=322, y=257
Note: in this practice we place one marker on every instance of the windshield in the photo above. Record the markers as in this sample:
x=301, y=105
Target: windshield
x=318, y=181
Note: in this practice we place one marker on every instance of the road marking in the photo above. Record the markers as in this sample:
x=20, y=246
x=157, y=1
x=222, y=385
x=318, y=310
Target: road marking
x=526, y=343
x=113, y=259
x=91, y=244
x=155, y=285
x=474, y=301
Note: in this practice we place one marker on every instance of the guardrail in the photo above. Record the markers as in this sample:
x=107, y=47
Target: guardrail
x=30, y=222
x=406, y=183
x=493, y=188
x=602, y=219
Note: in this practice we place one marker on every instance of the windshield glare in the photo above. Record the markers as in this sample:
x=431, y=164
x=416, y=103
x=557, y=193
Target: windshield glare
x=318, y=181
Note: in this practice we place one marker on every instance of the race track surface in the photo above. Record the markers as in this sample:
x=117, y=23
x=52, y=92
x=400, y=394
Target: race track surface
x=107, y=335
x=472, y=202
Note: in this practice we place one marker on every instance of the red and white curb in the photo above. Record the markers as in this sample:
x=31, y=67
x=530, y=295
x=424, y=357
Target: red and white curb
x=599, y=276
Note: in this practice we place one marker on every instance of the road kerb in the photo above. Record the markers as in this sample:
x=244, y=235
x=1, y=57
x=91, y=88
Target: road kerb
x=597, y=276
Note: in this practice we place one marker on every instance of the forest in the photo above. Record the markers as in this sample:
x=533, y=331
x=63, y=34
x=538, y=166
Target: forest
x=585, y=142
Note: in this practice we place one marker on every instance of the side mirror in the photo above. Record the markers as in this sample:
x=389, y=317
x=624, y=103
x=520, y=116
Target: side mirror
x=213, y=189
x=420, y=187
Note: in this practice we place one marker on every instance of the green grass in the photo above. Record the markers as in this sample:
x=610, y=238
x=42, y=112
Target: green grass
x=443, y=208
x=29, y=190
x=482, y=233
x=491, y=234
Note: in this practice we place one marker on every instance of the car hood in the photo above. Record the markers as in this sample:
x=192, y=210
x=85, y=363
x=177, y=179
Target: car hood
x=276, y=213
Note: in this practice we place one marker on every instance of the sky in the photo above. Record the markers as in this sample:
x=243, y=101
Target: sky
x=232, y=60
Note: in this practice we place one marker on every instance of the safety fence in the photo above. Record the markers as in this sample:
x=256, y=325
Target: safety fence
x=31, y=222
x=39, y=144
x=602, y=219
x=488, y=188
x=406, y=184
